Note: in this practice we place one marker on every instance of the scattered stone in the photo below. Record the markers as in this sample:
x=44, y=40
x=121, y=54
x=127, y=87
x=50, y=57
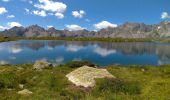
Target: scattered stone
x=10, y=89
x=42, y=64
x=25, y=92
x=21, y=86
x=20, y=68
x=85, y=76
x=142, y=70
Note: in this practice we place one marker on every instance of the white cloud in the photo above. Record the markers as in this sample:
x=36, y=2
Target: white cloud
x=74, y=27
x=87, y=20
x=3, y=28
x=5, y=0
x=78, y=14
x=50, y=5
x=12, y=24
x=165, y=15
x=40, y=13
x=104, y=52
x=10, y=16
x=104, y=24
x=50, y=26
x=27, y=10
x=3, y=10
x=2, y=62
x=59, y=15
x=31, y=2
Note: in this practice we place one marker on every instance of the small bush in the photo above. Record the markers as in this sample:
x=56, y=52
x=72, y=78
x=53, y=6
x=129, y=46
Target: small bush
x=117, y=86
x=8, y=80
x=2, y=85
x=76, y=64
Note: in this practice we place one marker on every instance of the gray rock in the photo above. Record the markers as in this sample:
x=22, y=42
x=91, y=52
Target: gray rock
x=85, y=76
x=42, y=64
x=25, y=92
x=21, y=86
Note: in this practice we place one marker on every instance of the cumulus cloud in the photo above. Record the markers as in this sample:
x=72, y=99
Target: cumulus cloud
x=53, y=8
x=87, y=20
x=31, y=2
x=12, y=24
x=5, y=0
x=2, y=62
x=10, y=16
x=59, y=15
x=50, y=26
x=3, y=10
x=74, y=27
x=104, y=24
x=3, y=28
x=165, y=15
x=40, y=13
x=27, y=10
x=78, y=14
x=50, y=5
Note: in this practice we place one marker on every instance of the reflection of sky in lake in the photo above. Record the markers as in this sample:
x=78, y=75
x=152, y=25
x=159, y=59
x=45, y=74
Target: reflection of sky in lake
x=101, y=53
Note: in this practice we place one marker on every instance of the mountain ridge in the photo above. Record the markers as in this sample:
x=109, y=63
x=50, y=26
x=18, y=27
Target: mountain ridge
x=126, y=30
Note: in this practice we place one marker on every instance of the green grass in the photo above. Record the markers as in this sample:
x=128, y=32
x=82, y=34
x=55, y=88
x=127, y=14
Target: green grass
x=4, y=39
x=131, y=83
x=95, y=39
x=166, y=40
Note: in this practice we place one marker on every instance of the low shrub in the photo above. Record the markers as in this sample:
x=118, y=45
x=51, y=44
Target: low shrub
x=8, y=80
x=116, y=86
x=76, y=64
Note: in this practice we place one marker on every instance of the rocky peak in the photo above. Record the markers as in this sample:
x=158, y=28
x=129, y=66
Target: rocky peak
x=127, y=30
x=35, y=27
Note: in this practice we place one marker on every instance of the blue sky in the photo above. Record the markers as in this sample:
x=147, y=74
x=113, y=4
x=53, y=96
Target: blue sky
x=81, y=14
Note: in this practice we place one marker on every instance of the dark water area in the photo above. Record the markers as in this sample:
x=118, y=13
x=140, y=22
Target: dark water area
x=101, y=53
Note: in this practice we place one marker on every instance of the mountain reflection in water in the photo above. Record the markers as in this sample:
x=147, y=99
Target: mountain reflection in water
x=101, y=53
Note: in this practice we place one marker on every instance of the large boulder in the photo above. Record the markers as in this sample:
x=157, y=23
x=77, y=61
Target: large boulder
x=42, y=64
x=85, y=76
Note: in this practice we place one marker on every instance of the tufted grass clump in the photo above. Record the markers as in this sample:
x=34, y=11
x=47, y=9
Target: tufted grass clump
x=116, y=86
x=77, y=64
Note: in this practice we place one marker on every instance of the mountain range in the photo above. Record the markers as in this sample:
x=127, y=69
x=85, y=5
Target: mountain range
x=126, y=30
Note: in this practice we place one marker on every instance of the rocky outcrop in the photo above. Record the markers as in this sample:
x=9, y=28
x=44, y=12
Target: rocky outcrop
x=42, y=64
x=54, y=33
x=85, y=76
x=127, y=30
x=35, y=31
x=14, y=32
x=25, y=92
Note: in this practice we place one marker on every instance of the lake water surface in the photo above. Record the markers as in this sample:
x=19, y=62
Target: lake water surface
x=101, y=53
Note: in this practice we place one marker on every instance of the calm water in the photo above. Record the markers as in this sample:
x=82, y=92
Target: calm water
x=101, y=53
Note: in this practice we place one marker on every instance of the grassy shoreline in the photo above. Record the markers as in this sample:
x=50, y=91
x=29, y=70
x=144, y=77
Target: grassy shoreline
x=132, y=82
x=4, y=39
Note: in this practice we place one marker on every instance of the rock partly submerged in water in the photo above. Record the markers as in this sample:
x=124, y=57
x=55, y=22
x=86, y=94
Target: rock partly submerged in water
x=85, y=76
x=42, y=64
x=25, y=92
